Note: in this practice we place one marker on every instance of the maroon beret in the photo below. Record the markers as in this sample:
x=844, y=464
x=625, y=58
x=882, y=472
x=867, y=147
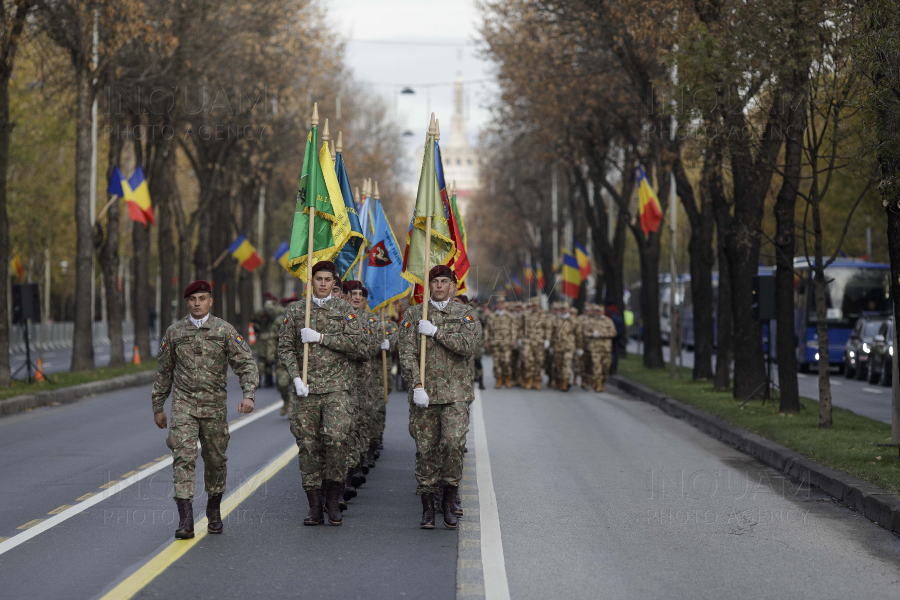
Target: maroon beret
x=365, y=292
x=270, y=296
x=463, y=298
x=324, y=265
x=289, y=299
x=442, y=271
x=351, y=285
x=198, y=286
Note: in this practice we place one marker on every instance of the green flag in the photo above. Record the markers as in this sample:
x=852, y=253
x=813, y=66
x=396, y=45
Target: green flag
x=319, y=188
x=429, y=203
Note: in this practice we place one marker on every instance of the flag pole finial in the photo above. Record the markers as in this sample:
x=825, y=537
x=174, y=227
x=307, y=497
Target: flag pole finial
x=340, y=142
x=437, y=130
x=315, y=116
x=431, y=125
x=453, y=188
x=375, y=195
x=325, y=135
x=356, y=195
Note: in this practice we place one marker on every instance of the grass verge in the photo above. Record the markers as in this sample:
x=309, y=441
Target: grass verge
x=68, y=379
x=850, y=446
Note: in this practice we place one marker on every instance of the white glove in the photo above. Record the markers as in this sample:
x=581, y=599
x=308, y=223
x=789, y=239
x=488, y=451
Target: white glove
x=429, y=329
x=596, y=333
x=301, y=389
x=579, y=352
x=546, y=344
x=420, y=397
x=310, y=336
x=385, y=344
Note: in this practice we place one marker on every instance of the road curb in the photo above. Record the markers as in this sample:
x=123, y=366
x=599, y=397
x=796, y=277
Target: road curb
x=73, y=393
x=876, y=503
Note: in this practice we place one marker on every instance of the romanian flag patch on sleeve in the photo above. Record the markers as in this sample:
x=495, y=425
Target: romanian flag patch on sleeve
x=469, y=318
x=350, y=317
x=239, y=339
x=406, y=324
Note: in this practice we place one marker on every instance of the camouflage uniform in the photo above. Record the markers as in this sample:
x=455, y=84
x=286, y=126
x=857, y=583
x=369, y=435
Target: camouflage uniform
x=536, y=327
x=282, y=381
x=193, y=365
x=598, y=337
x=565, y=340
x=380, y=412
x=440, y=428
x=500, y=336
x=266, y=323
x=359, y=396
x=479, y=350
x=578, y=362
x=320, y=422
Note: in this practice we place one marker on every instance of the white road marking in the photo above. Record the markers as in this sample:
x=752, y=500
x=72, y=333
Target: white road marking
x=26, y=535
x=496, y=586
x=873, y=390
x=834, y=382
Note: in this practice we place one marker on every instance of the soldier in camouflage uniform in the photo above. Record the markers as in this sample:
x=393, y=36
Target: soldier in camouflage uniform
x=565, y=342
x=320, y=414
x=263, y=323
x=499, y=339
x=536, y=330
x=193, y=364
x=479, y=349
x=598, y=335
x=386, y=342
x=282, y=380
x=439, y=413
x=578, y=363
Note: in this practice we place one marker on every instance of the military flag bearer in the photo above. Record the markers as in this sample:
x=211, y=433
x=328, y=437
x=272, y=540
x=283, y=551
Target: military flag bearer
x=193, y=364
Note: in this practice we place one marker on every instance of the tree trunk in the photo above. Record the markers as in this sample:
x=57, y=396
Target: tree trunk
x=185, y=237
x=108, y=256
x=653, y=355
x=231, y=284
x=165, y=242
x=5, y=131
x=83, y=337
x=785, y=204
x=724, y=320
x=202, y=254
x=141, y=293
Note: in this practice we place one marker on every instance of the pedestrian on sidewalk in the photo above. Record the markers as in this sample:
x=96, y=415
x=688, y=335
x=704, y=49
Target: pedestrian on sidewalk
x=193, y=364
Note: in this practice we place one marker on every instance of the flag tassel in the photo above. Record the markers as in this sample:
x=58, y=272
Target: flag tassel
x=426, y=293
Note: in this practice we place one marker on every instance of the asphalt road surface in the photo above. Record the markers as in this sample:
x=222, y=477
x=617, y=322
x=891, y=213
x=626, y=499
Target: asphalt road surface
x=866, y=399
x=586, y=496
x=55, y=361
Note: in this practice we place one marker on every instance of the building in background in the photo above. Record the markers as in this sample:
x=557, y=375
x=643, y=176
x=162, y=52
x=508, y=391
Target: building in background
x=462, y=163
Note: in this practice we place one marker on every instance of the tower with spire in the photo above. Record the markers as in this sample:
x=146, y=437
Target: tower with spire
x=461, y=161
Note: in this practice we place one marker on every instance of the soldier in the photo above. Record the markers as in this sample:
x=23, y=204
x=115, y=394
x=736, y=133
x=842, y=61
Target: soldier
x=516, y=354
x=193, y=358
x=266, y=342
x=320, y=415
x=499, y=342
x=535, y=332
x=376, y=367
x=599, y=333
x=439, y=413
x=565, y=342
x=479, y=349
x=282, y=381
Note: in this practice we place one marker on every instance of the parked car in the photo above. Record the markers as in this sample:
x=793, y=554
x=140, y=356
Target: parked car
x=882, y=360
x=857, y=350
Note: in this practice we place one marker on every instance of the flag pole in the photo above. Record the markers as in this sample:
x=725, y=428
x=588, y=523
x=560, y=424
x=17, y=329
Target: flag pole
x=310, y=247
x=384, y=367
x=426, y=292
x=359, y=268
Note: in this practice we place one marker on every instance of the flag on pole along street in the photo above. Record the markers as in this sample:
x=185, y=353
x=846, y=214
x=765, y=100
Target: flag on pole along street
x=282, y=254
x=16, y=265
x=460, y=261
x=529, y=275
x=571, y=275
x=319, y=191
x=540, y=277
x=648, y=204
x=428, y=204
x=384, y=266
x=517, y=285
x=244, y=252
x=136, y=194
x=355, y=247
x=584, y=260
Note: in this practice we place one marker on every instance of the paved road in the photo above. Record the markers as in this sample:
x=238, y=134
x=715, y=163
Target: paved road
x=55, y=361
x=867, y=399
x=598, y=495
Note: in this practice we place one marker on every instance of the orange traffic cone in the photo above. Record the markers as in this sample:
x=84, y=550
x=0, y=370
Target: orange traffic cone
x=39, y=372
x=252, y=335
x=136, y=360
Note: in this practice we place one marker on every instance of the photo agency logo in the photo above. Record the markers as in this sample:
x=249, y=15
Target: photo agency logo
x=203, y=111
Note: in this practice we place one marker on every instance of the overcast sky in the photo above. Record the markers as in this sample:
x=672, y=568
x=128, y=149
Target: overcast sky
x=390, y=67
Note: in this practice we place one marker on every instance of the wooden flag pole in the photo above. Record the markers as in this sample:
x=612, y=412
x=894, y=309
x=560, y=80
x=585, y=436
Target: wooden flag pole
x=220, y=259
x=112, y=199
x=384, y=367
x=310, y=247
x=426, y=292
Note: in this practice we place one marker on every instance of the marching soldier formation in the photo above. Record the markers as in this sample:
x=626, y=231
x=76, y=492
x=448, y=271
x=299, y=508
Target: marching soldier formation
x=337, y=412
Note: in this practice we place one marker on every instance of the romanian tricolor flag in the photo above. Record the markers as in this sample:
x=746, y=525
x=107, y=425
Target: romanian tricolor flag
x=571, y=275
x=244, y=252
x=16, y=265
x=135, y=192
x=648, y=203
x=517, y=285
x=584, y=260
x=283, y=254
x=540, y=277
x=460, y=261
x=529, y=275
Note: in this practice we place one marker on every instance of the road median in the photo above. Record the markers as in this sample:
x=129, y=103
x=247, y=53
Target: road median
x=877, y=503
x=70, y=387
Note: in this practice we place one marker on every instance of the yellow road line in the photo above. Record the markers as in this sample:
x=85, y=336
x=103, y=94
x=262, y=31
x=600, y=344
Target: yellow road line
x=56, y=511
x=109, y=485
x=163, y=457
x=178, y=548
x=149, y=464
x=86, y=496
x=30, y=524
x=130, y=473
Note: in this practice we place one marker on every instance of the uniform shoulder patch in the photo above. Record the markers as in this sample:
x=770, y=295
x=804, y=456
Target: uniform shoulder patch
x=239, y=339
x=350, y=317
x=469, y=318
x=285, y=320
x=372, y=319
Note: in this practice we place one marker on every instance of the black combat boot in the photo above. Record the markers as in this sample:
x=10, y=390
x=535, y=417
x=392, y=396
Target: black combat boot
x=332, y=499
x=315, y=516
x=349, y=488
x=357, y=476
x=427, y=511
x=370, y=455
x=481, y=382
x=342, y=504
x=457, y=506
x=185, y=529
x=447, y=506
x=214, y=514
x=269, y=381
